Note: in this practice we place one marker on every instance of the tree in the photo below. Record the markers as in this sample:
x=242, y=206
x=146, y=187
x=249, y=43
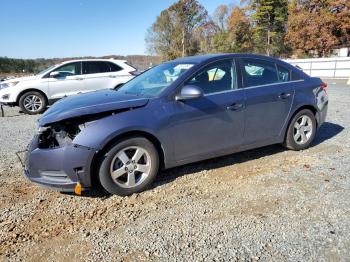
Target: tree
x=239, y=27
x=174, y=32
x=160, y=37
x=270, y=22
x=220, y=17
x=205, y=35
x=341, y=11
x=316, y=26
x=220, y=41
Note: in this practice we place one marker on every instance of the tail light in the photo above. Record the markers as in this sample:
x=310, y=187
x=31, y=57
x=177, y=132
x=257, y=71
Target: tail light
x=324, y=86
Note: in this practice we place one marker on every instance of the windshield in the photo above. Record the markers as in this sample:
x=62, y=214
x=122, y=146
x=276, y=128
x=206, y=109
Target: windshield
x=154, y=81
x=46, y=70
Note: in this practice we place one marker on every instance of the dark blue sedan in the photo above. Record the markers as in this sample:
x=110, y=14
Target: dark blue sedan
x=182, y=111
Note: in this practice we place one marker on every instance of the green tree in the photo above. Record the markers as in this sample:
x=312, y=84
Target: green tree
x=174, y=33
x=269, y=19
x=240, y=30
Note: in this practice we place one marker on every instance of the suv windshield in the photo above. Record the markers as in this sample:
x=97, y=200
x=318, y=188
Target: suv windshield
x=155, y=80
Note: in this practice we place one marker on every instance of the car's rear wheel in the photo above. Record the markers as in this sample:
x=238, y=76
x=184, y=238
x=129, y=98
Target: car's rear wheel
x=129, y=166
x=33, y=103
x=301, y=130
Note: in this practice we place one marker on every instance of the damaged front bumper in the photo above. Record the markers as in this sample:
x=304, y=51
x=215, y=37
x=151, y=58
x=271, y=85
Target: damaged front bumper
x=60, y=168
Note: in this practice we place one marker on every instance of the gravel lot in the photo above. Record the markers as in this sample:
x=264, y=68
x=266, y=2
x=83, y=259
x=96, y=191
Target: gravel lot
x=264, y=204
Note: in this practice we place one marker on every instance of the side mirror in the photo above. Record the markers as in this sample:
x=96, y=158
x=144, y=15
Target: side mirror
x=54, y=74
x=189, y=92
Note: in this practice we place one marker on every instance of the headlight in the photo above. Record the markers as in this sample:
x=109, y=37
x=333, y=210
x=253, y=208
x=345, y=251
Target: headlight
x=10, y=84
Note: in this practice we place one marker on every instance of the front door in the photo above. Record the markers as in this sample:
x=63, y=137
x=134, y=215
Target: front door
x=213, y=123
x=68, y=82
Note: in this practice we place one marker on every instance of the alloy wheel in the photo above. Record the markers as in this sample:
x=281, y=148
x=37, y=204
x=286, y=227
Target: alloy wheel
x=130, y=166
x=32, y=103
x=302, y=130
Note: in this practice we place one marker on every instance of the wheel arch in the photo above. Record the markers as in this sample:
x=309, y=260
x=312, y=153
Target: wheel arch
x=129, y=134
x=30, y=90
x=309, y=107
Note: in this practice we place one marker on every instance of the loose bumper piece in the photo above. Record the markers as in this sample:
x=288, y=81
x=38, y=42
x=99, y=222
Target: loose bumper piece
x=61, y=168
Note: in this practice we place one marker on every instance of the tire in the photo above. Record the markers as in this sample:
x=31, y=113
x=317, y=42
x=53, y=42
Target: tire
x=33, y=103
x=301, y=130
x=129, y=177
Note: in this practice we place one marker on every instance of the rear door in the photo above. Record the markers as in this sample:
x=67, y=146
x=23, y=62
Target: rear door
x=99, y=75
x=68, y=82
x=269, y=97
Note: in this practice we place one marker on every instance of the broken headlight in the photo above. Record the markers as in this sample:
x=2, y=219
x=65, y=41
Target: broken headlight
x=58, y=135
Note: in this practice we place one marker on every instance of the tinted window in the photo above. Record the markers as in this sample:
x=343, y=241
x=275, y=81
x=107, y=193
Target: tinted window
x=96, y=67
x=283, y=74
x=295, y=76
x=258, y=72
x=114, y=67
x=70, y=69
x=217, y=77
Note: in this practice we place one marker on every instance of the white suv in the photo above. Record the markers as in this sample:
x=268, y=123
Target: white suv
x=34, y=93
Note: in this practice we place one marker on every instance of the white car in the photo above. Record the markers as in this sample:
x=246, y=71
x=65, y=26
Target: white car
x=34, y=93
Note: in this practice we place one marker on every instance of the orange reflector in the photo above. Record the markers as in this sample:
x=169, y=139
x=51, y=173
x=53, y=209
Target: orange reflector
x=77, y=189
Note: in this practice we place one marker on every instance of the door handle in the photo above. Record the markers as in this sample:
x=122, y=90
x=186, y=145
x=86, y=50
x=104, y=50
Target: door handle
x=113, y=76
x=235, y=106
x=79, y=78
x=284, y=95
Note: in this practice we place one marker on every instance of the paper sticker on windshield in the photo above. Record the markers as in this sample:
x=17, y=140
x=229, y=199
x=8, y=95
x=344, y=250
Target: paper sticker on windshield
x=183, y=66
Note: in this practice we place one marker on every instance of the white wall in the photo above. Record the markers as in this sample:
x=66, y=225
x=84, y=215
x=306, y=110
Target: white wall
x=334, y=67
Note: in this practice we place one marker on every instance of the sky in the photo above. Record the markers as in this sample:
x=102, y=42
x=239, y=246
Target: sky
x=71, y=28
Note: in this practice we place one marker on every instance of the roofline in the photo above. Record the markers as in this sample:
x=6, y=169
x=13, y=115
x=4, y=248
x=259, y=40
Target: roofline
x=94, y=59
x=209, y=57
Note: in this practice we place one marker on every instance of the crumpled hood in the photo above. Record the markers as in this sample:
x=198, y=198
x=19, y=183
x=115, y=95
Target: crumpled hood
x=90, y=104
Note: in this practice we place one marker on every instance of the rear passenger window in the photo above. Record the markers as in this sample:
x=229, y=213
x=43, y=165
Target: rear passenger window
x=295, y=76
x=283, y=74
x=258, y=72
x=96, y=67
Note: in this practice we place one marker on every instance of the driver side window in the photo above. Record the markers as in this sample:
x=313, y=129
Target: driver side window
x=70, y=69
x=216, y=77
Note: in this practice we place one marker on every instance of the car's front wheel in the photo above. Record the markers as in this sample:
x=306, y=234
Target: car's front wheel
x=32, y=103
x=129, y=166
x=301, y=130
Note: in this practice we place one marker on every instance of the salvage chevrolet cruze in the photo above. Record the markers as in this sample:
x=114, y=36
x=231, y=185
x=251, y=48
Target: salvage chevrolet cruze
x=182, y=111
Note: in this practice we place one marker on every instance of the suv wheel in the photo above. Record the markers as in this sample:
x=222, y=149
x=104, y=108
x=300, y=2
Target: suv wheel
x=129, y=166
x=301, y=130
x=32, y=103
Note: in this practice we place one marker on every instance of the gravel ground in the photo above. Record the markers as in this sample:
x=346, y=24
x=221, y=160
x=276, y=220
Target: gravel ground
x=264, y=204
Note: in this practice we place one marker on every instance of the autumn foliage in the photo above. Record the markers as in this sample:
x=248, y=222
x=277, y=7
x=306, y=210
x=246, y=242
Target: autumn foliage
x=315, y=27
x=275, y=27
